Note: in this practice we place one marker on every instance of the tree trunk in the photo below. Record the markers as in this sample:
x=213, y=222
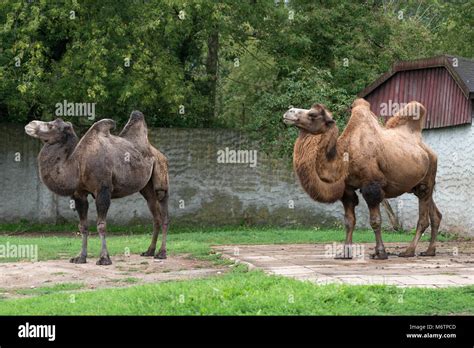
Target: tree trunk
x=211, y=69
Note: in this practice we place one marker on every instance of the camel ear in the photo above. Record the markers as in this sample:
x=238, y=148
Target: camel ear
x=327, y=117
x=66, y=126
x=330, y=122
x=322, y=109
x=319, y=106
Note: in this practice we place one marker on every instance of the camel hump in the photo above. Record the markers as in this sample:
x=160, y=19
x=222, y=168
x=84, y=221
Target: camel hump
x=361, y=112
x=137, y=116
x=411, y=115
x=360, y=102
x=135, y=129
x=103, y=126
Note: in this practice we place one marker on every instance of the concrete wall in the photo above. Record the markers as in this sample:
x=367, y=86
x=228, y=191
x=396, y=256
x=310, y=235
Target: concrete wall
x=206, y=192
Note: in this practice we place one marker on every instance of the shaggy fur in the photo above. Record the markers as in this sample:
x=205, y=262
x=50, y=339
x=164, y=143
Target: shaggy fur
x=321, y=174
x=105, y=166
x=383, y=162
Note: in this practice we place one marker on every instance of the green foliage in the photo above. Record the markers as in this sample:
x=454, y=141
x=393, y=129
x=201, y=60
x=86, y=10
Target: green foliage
x=76, y=51
x=301, y=88
x=244, y=81
x=327, y=52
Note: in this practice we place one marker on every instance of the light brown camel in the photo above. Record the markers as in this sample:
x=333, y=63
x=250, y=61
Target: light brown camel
x=383, y=162
x=106, y=166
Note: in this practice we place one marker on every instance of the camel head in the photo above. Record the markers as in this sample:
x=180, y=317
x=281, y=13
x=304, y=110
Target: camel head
x=316, y=120
x=50, y=132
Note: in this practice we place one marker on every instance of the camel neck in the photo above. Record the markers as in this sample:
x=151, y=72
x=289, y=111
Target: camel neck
x=319, y=165
x=58, y=170
x=70, y=143
x=324, y=146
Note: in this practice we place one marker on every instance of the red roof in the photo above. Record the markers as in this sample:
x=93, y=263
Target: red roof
x=461, y=69
x=443, y=84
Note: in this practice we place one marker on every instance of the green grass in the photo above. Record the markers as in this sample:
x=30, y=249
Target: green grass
x=182, y=240
x=234, y=293
x=248, y=293
x=45, y=290
x=27, y=227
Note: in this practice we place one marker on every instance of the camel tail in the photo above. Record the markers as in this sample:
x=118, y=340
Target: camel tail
x=412, y=115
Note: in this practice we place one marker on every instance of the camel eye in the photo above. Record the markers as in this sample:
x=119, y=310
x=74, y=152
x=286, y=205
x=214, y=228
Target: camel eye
x=313, y=115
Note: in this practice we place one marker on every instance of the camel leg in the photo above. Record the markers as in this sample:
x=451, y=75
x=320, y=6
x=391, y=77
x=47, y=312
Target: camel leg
x=376, y=224
x=102, y=202
x=150, y=196
x=349, y=201
x=435, y=220
x=157, y=202
x=82, y=207
x=423, y=223
x=374, y=195
x=163, y=201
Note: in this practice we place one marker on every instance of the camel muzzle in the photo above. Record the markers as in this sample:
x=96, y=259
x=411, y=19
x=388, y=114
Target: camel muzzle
x=290, y=117
x=30, y=129
x=34, y=127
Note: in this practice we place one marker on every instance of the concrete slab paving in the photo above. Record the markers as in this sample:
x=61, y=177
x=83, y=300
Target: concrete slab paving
x=452, y=266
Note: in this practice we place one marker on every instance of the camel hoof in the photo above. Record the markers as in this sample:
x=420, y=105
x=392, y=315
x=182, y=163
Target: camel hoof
x=407, y=254
x=161, y=255
x=429, y=252
x=379, y=255
x=104, y=261
x=78, y=259
x=148, y=253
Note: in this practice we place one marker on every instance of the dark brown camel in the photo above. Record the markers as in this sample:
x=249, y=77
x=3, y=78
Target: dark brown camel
x=107, y=167
x=382, y=162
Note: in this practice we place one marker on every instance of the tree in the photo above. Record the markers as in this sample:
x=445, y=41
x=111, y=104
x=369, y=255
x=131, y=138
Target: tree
x=205, y=63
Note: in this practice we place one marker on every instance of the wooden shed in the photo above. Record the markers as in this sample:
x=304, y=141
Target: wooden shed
x=443, y=84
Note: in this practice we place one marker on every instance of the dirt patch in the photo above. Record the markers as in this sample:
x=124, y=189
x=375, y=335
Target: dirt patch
x=125, y=271
x=452, y=266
